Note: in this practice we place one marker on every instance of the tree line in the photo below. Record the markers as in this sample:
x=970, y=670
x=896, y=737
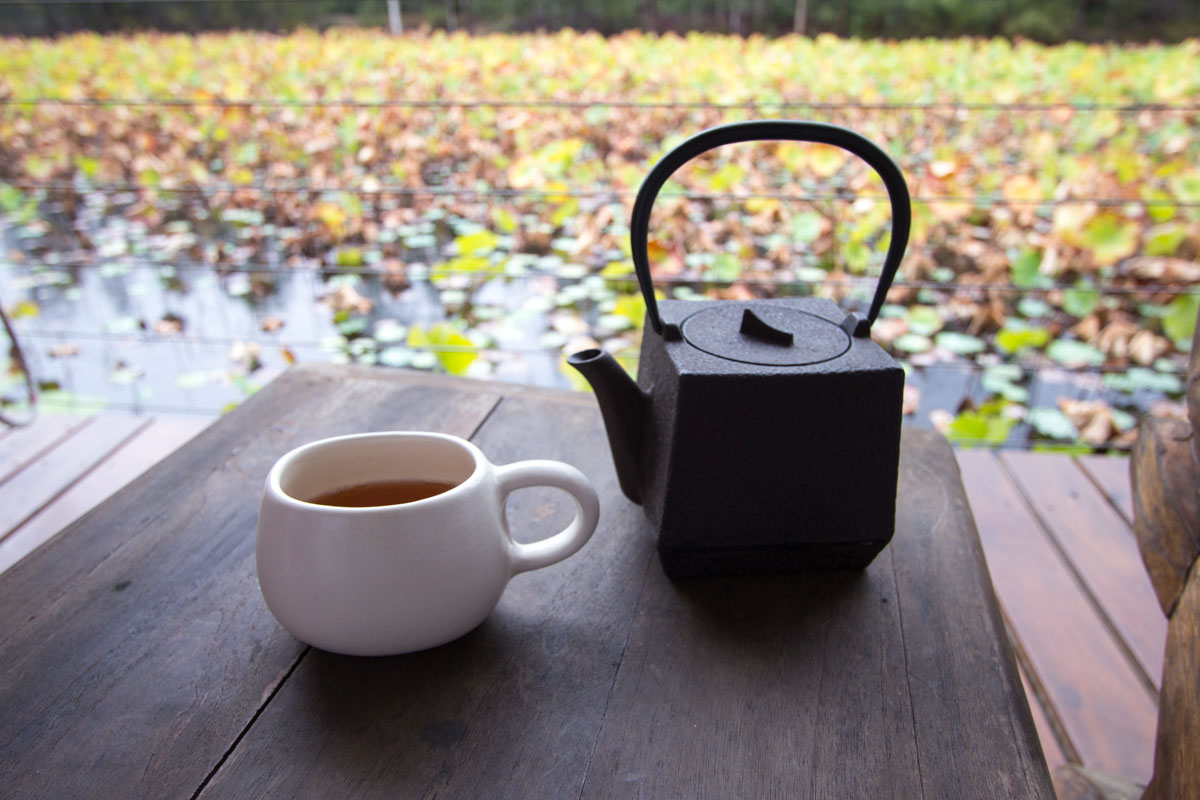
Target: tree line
x=1042, y=20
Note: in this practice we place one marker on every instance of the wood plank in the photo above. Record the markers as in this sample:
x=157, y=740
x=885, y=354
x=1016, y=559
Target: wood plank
x=1102, y=549
x=138, y=635
x=134, y=456
x=1051, y=749
x=37, y=484
x=956, y=644
x=788, y=682
x=1107, y=711
x=23, y=446
x=511, y=709
x=1111, y=474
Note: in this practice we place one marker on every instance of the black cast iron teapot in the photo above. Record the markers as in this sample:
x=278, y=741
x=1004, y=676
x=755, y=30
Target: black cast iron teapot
x=761, y=436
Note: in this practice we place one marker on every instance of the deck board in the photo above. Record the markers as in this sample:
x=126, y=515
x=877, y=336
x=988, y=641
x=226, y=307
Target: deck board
x=1111, y=475
x=23, y=446
x=133, y=456
x=35, y=485
x=1105, y=707
x=1101, y=549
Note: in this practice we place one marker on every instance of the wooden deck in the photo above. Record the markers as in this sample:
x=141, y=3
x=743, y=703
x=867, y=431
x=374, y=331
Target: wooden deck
x=1088, y=632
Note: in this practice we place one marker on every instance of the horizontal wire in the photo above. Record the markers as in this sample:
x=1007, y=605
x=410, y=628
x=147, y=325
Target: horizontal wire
x=426, y=272
x=483, y=195
x=143, y=336
x=816, y=105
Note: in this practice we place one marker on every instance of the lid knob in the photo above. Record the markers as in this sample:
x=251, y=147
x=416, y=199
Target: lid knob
x=755, y=327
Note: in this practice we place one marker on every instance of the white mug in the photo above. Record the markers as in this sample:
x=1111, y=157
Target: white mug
x=389, y=579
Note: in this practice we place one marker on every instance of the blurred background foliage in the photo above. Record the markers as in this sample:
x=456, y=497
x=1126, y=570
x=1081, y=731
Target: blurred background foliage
x=1042, y=20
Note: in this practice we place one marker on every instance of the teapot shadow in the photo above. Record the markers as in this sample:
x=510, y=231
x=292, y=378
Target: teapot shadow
x=752, y=610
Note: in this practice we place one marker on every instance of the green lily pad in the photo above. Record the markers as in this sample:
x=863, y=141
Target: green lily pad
x=1180, y=321
x=1052, y=423
x=1016, y=336
x=912, y=343
x=924, y=320
x=1033, y=307
x=962, y=344
x=1110, y=238
x=1081, y=300
x=1074, y=353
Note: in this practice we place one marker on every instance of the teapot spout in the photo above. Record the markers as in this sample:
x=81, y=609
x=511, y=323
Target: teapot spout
x=624, y=407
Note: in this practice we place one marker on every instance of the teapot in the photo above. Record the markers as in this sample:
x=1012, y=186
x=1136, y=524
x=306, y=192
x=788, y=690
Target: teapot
x=760, y=436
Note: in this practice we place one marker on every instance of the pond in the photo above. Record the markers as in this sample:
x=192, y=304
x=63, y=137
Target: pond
x=148, y=320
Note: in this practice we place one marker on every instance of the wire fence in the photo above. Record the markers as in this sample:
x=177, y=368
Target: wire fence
x=488, y=195
x=583, y=105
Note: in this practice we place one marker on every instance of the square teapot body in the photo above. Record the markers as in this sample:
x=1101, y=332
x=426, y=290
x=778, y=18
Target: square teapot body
x=753, y=468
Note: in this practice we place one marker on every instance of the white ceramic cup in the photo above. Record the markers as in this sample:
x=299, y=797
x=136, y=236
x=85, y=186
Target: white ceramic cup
x=383, y=580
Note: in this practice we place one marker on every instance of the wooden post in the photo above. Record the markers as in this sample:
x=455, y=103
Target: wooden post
x=1165, y=476
x=395, y=21
x=800, y=20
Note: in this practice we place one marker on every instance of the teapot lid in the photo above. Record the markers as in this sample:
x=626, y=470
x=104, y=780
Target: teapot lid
x=765, y=335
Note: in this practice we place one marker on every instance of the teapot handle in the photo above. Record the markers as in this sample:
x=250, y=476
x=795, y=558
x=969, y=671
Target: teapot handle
x=781, y=129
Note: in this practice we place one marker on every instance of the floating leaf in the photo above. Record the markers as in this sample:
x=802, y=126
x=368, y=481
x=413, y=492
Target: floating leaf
x=912, y=343
x=1110, y=238
x=1074, y=353
x=1141, y=378
x=807, y=227
x=924, y=320
x=479, y=243
x=1017, y=336
x=1080, y=301
x=1164, y=240
x=988, y=425
x=1033, y=307
x=960, y=343
x=1002, y=380
x=455, y=351
x=1180, y=322
x=1052, y=423
x=24, y=309
x=1025, y=270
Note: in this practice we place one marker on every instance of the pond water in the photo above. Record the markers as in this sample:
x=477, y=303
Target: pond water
x=142, y=322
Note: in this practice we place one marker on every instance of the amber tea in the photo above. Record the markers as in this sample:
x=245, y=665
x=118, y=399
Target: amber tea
x=381, y=493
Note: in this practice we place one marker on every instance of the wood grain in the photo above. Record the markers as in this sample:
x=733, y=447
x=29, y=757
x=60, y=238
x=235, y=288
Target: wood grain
x=139, y=660
x=132, y=457
x=1086, y=674
x=511, y=709
x=1111, y=474
x=1101, y=548
x=138, y=638
x=788, y=683
x=1165, y=471
x=1176, y=767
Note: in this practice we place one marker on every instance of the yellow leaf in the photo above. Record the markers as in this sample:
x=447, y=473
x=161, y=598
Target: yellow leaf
x=1021, y=188
x=825, y=160
x=24, y=308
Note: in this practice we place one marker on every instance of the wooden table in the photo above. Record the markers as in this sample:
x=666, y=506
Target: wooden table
x=138, y=659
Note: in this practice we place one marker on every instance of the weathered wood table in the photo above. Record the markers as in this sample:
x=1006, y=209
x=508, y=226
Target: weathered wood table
x=138, y=658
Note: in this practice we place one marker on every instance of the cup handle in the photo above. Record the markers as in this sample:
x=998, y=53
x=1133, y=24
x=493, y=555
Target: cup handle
x=566, y=542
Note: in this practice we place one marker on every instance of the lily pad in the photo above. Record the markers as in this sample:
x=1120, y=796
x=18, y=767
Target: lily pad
x=912, y=343
x=1052, y=423
x=1074, y=353
x=962, y=344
